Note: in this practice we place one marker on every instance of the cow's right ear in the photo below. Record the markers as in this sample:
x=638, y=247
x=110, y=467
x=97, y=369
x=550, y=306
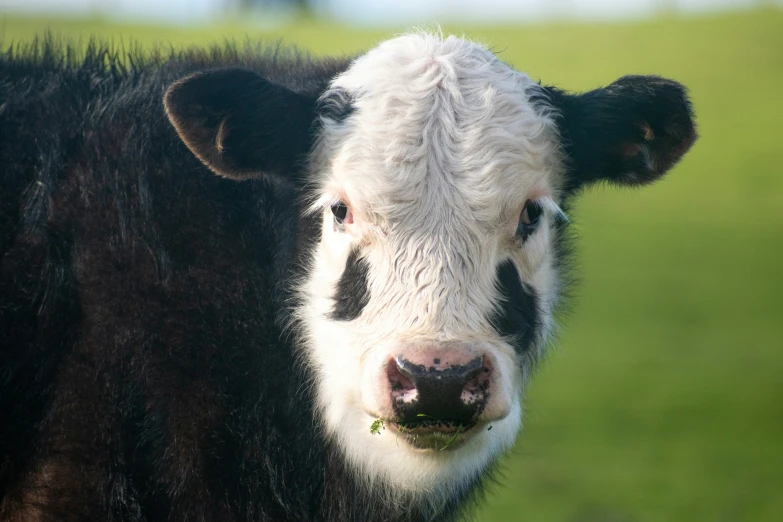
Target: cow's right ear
x=240, y=124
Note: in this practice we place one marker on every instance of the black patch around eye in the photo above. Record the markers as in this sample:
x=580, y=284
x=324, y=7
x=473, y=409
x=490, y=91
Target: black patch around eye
x=353, y=292
x=518, y=317
x=336, y=104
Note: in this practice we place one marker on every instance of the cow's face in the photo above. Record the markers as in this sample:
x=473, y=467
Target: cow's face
x=438, y=174
x=431, y=290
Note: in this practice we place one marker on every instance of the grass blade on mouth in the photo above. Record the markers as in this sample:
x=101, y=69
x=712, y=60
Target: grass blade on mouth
x=452, y=439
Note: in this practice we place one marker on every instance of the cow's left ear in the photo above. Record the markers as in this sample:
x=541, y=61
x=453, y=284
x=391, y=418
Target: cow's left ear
x=630, y=132
x=240, y=124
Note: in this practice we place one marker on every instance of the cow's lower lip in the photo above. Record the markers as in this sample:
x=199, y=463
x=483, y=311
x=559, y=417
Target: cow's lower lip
x=439, y=435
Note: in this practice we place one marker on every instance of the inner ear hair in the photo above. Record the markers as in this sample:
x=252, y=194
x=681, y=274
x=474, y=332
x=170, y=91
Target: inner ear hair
x=630, y=132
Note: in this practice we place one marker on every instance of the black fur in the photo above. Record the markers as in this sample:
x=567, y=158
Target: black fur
x=353, y=292
x=144, y=374
x=630, y=132
x=518, y=317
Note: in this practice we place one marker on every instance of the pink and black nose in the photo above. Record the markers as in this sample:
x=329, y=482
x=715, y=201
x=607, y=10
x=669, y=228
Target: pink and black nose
x=442, y=389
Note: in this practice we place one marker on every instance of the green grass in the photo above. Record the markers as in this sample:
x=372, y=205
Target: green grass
x=663, y=400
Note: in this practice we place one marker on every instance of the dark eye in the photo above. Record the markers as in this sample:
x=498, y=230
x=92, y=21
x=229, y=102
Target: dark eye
x=342, y=214
x=528, y=220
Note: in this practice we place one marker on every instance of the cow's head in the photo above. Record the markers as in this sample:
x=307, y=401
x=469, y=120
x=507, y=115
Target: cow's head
x=438, y=174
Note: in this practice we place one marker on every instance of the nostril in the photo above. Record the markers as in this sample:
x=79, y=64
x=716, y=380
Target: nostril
x=477, y=387
x=398, y=380
x=403, y=367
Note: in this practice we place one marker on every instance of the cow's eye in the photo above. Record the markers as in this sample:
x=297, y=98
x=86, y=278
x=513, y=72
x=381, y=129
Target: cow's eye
x=528, y=219
x=342, y=214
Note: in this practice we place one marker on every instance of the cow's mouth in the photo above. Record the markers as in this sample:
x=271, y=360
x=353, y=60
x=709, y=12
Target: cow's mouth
x=433, y=434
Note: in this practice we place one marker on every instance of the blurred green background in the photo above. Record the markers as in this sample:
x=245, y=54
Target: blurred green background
x=663, y=398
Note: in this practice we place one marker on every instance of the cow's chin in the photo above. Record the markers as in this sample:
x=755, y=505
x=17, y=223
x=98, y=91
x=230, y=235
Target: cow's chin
x=426, y=459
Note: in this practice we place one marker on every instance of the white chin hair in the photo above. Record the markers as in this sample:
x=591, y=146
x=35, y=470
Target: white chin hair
x=384, y=458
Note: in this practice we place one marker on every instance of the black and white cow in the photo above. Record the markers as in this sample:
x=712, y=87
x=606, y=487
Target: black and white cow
x=339, y=325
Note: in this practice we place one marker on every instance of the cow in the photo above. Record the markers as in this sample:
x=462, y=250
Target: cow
x=252, y=285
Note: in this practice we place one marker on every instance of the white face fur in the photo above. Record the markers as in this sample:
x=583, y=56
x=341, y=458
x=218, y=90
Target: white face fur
x=441, y=151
